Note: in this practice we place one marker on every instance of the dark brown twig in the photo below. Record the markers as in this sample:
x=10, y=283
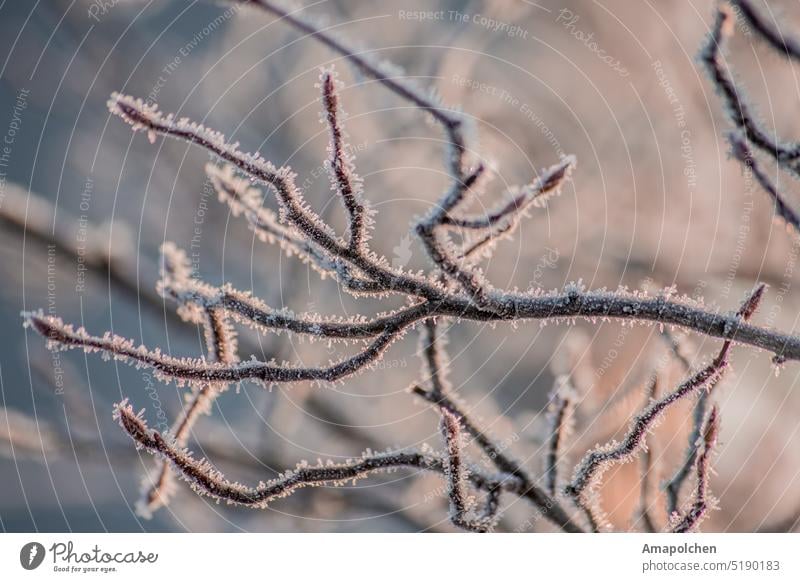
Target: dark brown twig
x=699, y=508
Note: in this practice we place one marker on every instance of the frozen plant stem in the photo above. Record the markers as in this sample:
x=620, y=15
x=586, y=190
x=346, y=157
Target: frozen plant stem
x=562, y=400
x=738, y=110
x=742, y=152
x=206, y=480
x=340, y=164
x=699, y=508
x=748, y=130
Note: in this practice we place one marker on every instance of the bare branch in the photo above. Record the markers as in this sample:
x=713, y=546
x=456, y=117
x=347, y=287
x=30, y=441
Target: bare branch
x=441, y=249
x=456, y=289
x=388, y=75
x=503, y=221
x=340, y=164
x=147, y=118
x=545, y=186
x=742, y=153
x=786, y=45
x=699, y=509
x=514, y=472
x=206, y=480
x=675, y=484
x=294, y=209
x=436, y=366
x=738, y=110
x=196, y=297
x=460, y=502
x=244, y=199
x=562, y=402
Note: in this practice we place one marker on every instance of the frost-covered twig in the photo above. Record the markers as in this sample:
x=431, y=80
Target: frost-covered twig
x=436, y=366
x=437, y=244
x=207, y=480
x=738, y=110
x=592, y=305
x=675, y=484
x=562, y=402
x=502, y=221
x=742, y=152
x=700, y=506
x=787, y=45
x=244, y=199
x=294, y=209
x=479, y=305
x=198, y=371
x=340, y=164
x=460, y=501
x=147, y=118
x=436, y=360
x=545, y=185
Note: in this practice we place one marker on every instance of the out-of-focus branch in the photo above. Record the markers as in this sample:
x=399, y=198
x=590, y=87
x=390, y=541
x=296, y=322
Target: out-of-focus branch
x=742, y=152
x=739, y=111
x=784, y=44
x=35, y=219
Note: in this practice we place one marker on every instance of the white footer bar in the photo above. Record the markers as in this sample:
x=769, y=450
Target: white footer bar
x=371, y=557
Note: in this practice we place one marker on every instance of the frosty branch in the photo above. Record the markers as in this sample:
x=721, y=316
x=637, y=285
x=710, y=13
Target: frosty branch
x=748, y=130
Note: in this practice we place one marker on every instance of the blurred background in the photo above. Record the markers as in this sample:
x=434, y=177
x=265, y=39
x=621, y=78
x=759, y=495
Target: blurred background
x=655, y=202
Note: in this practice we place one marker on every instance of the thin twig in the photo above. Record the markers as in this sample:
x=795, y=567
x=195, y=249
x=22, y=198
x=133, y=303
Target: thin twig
x=562, y=402
x=691, y=520
x=743, y=153
x=343, y=177
x=738, y=110
x=649, y=472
